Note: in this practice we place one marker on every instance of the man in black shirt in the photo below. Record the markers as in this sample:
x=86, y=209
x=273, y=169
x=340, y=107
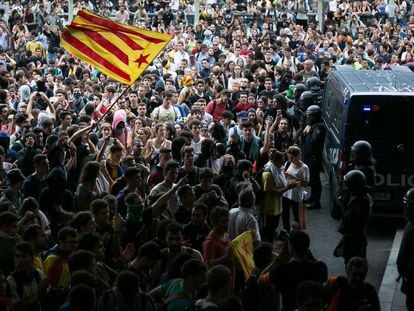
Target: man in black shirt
x=196, y=231
x=183, y=212
x=300, y=266
x=249, y=142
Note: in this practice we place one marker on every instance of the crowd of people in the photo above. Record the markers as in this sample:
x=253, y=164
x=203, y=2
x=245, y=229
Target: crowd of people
x=222, y=134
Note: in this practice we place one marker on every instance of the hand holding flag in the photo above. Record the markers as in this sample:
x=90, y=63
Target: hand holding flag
x=120, y=51
x=242, y=247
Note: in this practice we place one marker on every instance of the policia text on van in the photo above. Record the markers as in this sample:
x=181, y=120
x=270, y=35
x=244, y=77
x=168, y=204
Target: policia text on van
x=376, y=106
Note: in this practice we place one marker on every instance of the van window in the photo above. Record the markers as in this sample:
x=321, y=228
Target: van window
x=381, y=118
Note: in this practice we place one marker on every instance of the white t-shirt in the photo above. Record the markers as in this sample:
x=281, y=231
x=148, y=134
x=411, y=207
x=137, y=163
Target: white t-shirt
x=296, y=194
x=169, y=115
x=196, y=146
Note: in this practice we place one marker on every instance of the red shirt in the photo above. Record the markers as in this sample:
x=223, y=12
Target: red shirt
x=216, y=109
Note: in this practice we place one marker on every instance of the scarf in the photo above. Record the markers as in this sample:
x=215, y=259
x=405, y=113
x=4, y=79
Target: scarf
x=254, y=149
x=278, y=177
x=114, y=168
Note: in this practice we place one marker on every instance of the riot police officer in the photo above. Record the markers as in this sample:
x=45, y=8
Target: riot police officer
x=356, y=209
x=299, y=116
x=314, y=86
x=298, y=89
x=361, y=159
x=313, y=139
x=405, y=259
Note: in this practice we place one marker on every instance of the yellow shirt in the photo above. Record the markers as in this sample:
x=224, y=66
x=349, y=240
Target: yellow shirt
x=272, y=202
x=38, y=263
x=33, y=45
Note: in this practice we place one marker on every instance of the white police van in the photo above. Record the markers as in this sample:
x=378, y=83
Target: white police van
x=376, y=106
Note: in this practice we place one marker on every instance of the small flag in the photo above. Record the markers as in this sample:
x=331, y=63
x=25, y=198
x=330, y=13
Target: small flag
x=120, y=51
x=242, y=247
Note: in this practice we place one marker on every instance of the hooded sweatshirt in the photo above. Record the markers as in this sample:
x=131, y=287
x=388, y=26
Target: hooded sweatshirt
x=120, y=116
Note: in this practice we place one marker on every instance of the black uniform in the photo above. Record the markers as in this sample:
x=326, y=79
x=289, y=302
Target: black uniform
x=353, y=227
x=312, y=145
x=369, y=172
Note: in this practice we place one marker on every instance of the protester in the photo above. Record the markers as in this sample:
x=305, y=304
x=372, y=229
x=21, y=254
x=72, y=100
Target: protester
x=222, y=94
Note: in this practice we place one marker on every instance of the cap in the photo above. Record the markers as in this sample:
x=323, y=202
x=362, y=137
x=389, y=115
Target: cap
x=242, y=115
x=159, y=85
x=4, y=134
x=14, y=176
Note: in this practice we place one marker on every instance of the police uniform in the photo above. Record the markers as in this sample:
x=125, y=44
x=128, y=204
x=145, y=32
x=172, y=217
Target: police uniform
x=313, y=142
x=357, y=209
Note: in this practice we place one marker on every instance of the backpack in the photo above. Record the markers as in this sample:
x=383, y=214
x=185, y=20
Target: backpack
x=293, y=62
x=158, y=112
x=215, y=105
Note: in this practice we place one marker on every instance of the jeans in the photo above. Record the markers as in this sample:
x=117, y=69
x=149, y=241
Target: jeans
x=289, y=205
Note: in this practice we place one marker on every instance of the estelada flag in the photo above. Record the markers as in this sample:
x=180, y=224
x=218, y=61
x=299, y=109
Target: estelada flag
x=120, y=51
x=242, y=247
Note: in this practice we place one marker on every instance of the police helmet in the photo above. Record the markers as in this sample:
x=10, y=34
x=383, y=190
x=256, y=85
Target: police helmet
x=355, y=181
x=314, y=110
x=307, y=95
x=362, y=148
x=314, y=84
x=409, y=197
x=299, y=88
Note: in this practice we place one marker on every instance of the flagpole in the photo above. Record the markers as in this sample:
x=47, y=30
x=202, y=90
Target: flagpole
x=114, y=103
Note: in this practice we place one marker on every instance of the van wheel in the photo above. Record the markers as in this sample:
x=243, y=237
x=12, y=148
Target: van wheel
x=334, y=209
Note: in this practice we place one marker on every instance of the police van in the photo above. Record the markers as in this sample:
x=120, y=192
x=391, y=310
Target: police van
x=376, y=106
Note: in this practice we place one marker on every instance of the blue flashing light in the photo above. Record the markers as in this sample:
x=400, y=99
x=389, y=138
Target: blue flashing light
x=366, y=108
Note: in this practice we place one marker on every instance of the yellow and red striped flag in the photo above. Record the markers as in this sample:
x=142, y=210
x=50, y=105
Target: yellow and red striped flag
x=120, y=51
x=242, y=247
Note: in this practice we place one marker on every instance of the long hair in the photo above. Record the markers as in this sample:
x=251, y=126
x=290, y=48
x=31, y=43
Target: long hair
x=90, y=172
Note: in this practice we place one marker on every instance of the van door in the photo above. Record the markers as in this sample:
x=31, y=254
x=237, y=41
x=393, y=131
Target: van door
x=386, y=122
